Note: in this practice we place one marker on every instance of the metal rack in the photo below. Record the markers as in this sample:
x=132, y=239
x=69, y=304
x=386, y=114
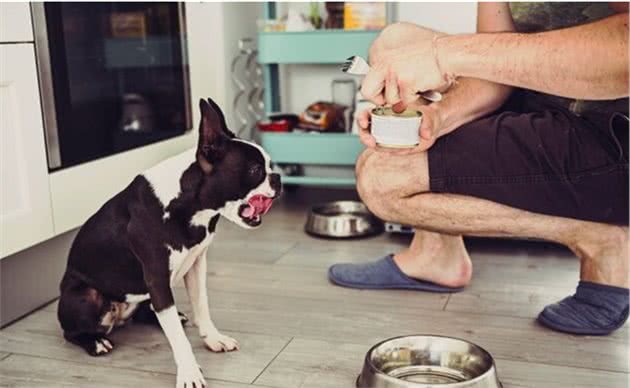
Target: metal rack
x=310, y=47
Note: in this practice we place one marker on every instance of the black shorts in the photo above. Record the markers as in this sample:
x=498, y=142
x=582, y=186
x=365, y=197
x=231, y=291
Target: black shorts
x=536, y=155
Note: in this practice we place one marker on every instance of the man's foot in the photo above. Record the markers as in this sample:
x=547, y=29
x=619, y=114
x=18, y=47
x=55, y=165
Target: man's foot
x=433, y=262
x=603, y=253
x=600, y=303
x=382, y=274
x=437, y=258
x=595, y=309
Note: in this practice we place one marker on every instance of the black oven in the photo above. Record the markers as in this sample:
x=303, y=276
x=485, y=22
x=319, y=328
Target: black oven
x=113, y=76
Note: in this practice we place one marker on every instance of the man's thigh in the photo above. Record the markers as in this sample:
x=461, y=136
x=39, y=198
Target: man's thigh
x=547, y=162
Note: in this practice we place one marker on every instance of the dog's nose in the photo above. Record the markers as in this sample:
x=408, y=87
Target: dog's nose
x=274, y=182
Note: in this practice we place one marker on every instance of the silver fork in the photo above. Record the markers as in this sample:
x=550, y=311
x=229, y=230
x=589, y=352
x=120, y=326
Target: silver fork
x=359, y=66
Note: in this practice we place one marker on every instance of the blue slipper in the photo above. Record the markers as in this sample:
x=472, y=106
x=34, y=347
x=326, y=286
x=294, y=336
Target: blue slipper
x=380, y=275
x=594, y=309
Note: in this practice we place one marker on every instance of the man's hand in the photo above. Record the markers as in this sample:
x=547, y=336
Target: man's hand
x=467, y=100
x=430, y=129
x=403, y=62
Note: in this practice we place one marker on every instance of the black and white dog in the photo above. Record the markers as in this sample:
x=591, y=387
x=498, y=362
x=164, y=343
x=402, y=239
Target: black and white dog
x=127, y=256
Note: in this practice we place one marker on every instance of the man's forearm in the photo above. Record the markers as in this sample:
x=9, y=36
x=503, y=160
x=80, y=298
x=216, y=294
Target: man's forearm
x=469, y=99
x=588, y=61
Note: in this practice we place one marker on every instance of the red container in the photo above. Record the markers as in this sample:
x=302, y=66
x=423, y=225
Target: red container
x=274, y=126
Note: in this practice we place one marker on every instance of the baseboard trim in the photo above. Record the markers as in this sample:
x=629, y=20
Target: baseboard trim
x=29, y=279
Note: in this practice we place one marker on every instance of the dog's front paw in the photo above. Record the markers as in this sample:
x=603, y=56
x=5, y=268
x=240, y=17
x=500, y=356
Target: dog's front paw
x=218, y=342
x=100, y=347
x=189, y=376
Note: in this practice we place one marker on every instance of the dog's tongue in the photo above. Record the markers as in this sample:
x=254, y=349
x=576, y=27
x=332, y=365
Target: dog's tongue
x=258, y=205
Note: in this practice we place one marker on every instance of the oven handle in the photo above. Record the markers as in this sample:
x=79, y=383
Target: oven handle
x=47, y=95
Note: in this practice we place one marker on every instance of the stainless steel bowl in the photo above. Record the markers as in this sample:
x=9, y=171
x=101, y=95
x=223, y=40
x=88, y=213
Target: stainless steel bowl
x=423, y=361
x=342, y=219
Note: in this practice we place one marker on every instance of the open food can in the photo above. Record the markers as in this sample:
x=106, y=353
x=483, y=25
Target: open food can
x=397, y=130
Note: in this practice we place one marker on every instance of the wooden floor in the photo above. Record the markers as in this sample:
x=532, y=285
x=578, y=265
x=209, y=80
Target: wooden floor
x=268, y=289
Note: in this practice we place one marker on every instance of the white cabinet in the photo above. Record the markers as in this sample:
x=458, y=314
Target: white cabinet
x=25, y=212
x=78, y=192
x=15, y=22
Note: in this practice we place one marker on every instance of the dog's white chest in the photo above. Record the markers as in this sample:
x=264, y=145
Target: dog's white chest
x=180, y=261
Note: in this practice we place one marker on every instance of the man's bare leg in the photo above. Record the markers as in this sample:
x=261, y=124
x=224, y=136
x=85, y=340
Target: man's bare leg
x=602, y=248
x=436, y=257
x=396, y=188
x=384, y=185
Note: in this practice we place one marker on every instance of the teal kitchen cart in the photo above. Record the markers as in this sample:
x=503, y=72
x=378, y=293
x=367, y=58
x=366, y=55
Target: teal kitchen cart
x=316, y=149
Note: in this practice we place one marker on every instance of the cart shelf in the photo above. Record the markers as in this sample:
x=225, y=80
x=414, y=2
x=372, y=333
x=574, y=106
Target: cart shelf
x=322, y=149
x=314, y=47
x=319, y=181
x=312, y=148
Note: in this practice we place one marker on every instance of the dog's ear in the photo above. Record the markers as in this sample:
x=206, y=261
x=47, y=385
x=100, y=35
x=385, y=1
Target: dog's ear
x=224, y=127
x=212, y=135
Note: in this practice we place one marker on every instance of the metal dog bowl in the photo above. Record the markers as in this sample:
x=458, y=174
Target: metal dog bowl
x=424, y=361
x=342, y=219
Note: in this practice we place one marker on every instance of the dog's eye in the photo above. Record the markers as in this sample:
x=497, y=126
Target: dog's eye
x=255, y=170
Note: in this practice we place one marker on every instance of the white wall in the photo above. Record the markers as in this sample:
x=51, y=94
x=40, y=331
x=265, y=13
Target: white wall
x=205, y=54
x=239, y=21
x=305, y=84
x=213, y=32
x=452, y=18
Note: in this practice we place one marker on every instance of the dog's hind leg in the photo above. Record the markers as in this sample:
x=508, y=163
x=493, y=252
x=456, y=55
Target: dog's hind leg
x=195, y=280
x=84, y=316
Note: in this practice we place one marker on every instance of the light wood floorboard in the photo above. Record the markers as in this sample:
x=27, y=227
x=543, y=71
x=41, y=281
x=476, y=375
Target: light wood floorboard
x=269, y=289
x=28, y=371
x=142, y=347
x=330, y=364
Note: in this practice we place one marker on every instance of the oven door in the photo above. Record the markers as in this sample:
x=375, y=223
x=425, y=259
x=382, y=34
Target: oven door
x=113, y=76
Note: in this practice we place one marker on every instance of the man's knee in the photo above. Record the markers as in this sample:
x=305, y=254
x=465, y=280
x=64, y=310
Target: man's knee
x=372, y=188
x=384, y=179
x=363, y=157
x=375, y=199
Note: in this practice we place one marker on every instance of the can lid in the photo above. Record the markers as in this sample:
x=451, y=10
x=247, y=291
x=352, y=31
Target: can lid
x=389, y=112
